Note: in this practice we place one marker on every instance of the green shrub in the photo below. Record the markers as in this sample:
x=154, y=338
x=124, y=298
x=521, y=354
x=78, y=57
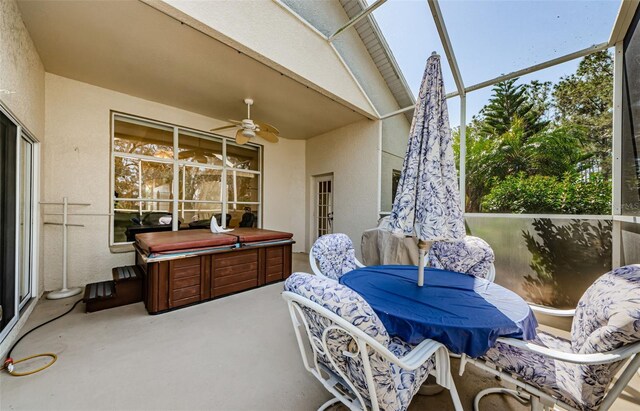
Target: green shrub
x=572, y=194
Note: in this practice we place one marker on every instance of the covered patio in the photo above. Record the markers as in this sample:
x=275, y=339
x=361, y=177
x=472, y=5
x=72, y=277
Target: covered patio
x=236, y=353
x=180, y=162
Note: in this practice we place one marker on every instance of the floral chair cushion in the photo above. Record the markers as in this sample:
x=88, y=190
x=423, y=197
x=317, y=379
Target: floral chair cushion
x=608, y=314
x=607, y=317
x=471, y=255
x=394, y=386
x=544, y=373
x=335, y=255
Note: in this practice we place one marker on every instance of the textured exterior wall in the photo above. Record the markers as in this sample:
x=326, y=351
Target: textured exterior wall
x=267, y=32
x=328, y=16
x=22, y=83
x=395, y=135
x=77, y=165
x=351, y=153
x=22, y=92
x=21, y=71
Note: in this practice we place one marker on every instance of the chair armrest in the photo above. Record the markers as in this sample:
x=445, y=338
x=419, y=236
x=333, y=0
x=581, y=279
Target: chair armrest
x=585, y=359
x=418, y=355
x=539, y=309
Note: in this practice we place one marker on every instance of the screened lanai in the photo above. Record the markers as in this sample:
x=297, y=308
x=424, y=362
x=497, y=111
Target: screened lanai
x=554, y=192
x=131, y=110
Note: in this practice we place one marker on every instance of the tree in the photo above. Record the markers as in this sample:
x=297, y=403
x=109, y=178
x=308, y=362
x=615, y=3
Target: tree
x=508, y=103
x=542, y=129
x=540, y=94
x=584, y=100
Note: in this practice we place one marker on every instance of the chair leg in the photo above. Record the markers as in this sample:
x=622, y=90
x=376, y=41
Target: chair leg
x=522, y=398
x=328, y=404
x=457, y=405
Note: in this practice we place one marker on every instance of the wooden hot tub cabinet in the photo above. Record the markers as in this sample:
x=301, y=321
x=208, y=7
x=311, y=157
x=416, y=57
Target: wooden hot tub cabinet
x=230, y=263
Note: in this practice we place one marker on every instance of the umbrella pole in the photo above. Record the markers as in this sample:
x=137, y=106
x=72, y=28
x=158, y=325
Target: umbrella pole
x=423, y=247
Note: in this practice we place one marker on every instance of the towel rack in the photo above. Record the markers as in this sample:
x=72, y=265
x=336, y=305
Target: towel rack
x=65, y=292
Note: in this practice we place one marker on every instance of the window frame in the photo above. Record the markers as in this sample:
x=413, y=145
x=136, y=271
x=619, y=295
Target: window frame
x=178, y=205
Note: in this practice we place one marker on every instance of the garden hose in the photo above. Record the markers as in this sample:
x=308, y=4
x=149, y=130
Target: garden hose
x=9, y=363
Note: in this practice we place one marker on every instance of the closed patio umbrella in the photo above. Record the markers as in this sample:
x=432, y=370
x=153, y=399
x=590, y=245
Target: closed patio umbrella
x=427, y=203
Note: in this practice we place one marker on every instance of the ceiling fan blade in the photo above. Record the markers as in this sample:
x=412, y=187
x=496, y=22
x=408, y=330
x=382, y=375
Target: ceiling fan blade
x=224, y=127
x=268, y=128
x=270, y=137
x=240, y=138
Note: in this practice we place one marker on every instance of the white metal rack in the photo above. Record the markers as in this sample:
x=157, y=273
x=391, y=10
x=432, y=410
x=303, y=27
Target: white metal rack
x=64, y=292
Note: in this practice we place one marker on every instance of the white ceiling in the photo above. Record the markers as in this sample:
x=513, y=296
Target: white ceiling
x=134, y=49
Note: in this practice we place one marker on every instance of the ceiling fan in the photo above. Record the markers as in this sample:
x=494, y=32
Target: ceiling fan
x=247, y=129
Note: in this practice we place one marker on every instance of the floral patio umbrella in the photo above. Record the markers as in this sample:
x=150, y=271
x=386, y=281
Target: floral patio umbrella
x=427, y=203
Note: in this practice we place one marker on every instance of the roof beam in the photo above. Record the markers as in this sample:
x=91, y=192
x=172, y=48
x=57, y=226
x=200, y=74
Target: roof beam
x=518, y=73
x=364, y=13
x=409, y=108
x=541, y=66
x=446, y=43
x=623, y=21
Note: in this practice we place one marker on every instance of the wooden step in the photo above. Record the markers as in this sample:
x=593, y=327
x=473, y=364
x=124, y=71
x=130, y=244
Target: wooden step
x=127, y=273
x=125, y=288
x=99, y=296
x=99, y=291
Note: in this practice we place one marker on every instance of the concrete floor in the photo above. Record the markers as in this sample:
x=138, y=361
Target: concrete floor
x=235, y=353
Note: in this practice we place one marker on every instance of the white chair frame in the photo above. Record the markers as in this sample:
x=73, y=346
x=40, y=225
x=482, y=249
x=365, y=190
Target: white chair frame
x=541, y=401
x=352, y=399
x=316, y=270
x=491, y=276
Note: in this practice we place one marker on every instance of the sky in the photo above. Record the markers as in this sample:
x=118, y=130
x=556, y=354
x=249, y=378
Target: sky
x=491, y=38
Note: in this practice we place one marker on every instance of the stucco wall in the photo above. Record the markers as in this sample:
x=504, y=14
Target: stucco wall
x=21, y=70
x=22, y=92
x=351, y=153
x=259, y=28
x=395, y=135
x=327, y=17
x=22, y=83
x=77, y=165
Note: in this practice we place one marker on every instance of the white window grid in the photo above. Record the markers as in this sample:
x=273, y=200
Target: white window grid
x=178, y=205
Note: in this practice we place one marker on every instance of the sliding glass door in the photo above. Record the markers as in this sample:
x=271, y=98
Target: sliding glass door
x=26, y=220
x=17, y=153
x=8, y=150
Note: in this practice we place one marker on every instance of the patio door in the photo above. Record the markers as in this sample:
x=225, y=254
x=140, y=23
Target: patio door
x=8, y=158
x=17, y=204
x=323, y=213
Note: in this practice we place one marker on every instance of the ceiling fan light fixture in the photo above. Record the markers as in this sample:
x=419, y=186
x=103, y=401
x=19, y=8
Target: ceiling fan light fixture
x=248, y=133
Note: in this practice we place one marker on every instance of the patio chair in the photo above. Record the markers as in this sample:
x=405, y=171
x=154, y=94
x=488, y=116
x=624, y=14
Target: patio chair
x=335, y=256
x=471, y=255
x=575, y=374
x=348, y=350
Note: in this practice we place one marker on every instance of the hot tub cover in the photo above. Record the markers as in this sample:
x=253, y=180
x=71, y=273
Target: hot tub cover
x=246, y=235
x=171, y=241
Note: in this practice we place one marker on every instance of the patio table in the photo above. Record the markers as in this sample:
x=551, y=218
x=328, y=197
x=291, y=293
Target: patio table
x=465, y=313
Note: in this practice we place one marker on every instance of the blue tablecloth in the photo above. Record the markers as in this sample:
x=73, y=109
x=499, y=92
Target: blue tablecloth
x=465, y=313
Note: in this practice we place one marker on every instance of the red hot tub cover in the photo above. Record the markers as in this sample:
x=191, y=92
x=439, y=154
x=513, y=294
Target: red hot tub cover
x=173, y=241
x=257, y=235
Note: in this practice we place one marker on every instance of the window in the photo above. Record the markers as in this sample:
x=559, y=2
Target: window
x=395, y=180
x=191, y=177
